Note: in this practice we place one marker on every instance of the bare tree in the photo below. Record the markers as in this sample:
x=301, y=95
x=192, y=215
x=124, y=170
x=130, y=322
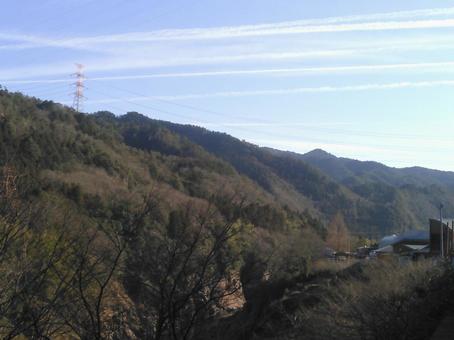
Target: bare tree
x=181, y=272
x=27, y=259
x=56, y=281
x=53, y=278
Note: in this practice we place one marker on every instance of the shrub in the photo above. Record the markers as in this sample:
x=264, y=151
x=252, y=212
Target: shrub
x=387, y=301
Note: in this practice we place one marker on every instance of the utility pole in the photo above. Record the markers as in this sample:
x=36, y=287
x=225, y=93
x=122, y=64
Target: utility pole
x=79, y=88
x=441, y=232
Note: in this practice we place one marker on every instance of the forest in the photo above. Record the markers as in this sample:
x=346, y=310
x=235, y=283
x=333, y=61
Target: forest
x=132, y=228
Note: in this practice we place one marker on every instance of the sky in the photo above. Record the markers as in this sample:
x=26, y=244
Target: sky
x=370, y=80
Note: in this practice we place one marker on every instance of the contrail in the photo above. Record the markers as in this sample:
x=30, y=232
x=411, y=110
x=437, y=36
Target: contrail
x=379, y=21
x=300, y=90
x=271, y=71
x=253, y=31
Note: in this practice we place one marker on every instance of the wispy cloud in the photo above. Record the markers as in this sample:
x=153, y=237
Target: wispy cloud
x=129, y=62
x=239, y=32
x=20, y=46
x=29, y=39
x=402, y=20
x=288, y=91
x=188, y=47
x=295, y=71
x=254, y=31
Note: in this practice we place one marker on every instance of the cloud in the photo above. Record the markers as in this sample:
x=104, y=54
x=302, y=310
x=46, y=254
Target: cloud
x=29, y=40
x=21, y=46
x=288, y=71
x=245, y=31
x=134, y=51
x=139, y=62
x=288, y=91
x=444, y=66
x=369, y=22
x=285, y=28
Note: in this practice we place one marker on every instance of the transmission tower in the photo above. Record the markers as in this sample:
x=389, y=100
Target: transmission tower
x=79, y=87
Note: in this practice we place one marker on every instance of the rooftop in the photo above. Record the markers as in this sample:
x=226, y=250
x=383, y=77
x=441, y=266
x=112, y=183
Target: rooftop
x=408, y=237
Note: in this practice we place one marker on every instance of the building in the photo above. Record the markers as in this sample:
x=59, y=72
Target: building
x=435, y=237
x=413, y=243
x=419, y=243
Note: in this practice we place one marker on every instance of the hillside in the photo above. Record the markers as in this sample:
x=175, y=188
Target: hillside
x=416, y=191
x=100, y=152
x=104, y=155
x=98, y=214
x=373, y=198
x=143, y=228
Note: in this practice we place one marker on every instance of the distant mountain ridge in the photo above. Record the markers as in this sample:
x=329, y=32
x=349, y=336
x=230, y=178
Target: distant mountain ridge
x=372, y=196
x=408, y=175
x=416, y=190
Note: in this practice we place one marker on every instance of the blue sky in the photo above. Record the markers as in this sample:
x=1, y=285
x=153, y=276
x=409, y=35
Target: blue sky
x=371, y=80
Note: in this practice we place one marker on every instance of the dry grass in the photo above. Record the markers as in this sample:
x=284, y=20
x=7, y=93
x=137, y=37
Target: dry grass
x=322, y=265
x=384, y=300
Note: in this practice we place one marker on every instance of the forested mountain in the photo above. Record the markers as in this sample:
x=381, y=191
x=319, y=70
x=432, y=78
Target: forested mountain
x=416, y=192
x=197, y=162
x=101, y=155
x=372, y=197
x=125, y=227
x=344, y=169
x=118, y=225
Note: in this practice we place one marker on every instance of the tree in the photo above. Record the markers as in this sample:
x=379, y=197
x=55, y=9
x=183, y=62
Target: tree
x=95, y=263
x=338, y=236
x=54, y=278
x=29, y=254
x=181, y=271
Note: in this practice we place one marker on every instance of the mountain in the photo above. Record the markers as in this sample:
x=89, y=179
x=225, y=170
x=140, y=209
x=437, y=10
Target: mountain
x=373, y=198
x=129, y=227
x=108, y=221
x=195, y=162
x=80, y=157
x=416, y=191
x=343, y=169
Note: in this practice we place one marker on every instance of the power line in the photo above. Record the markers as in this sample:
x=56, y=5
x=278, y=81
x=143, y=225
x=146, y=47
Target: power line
x=301, y=137
x=173, y=114
x=336, y=131
x=37, y=88
x=190, y=118
x=185, y=106
x=149, y=107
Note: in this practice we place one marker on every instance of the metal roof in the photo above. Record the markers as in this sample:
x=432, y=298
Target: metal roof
x=411, y=235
